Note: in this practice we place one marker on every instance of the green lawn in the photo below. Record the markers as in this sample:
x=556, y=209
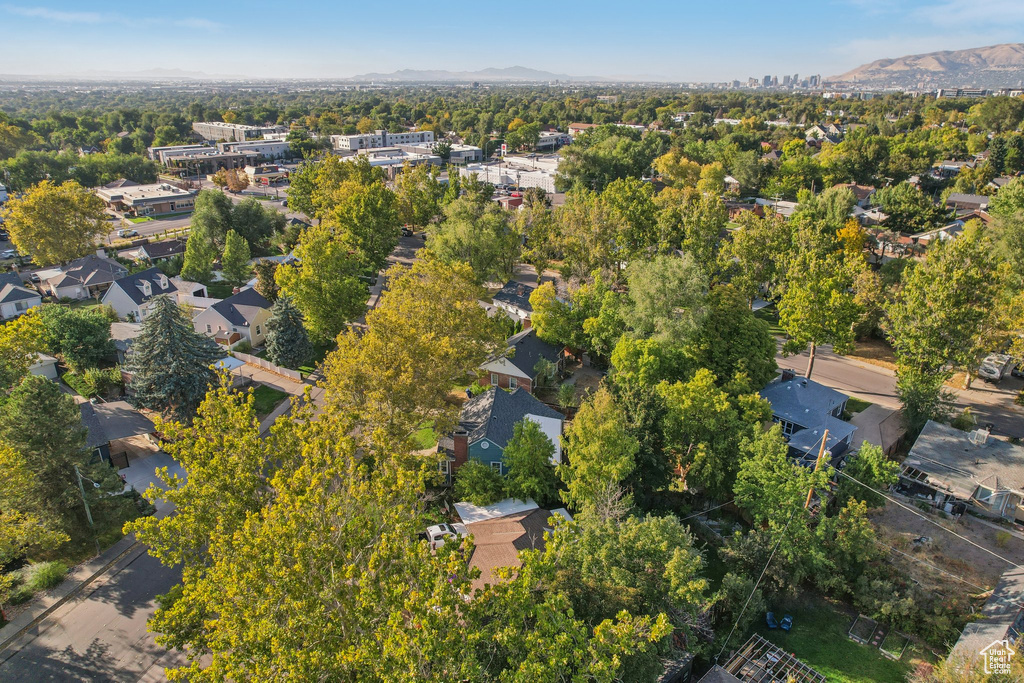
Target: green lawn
x=219, y=290
x=140, y=219
x=855, y=405
x=770, y=315
x=267, y=398
x=819, y=640
x=320, y=352
x=425, y=438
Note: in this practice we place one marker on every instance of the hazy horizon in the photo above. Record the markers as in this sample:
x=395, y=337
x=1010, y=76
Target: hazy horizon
x=664, y=42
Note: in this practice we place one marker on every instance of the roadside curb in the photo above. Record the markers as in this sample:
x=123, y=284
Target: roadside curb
x=27, y=620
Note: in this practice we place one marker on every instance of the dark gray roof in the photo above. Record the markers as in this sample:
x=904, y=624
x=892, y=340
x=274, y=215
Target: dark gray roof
x=164, y=249
x=108, y=422
x=718, y=675
x=950, y=459
x=802, y=401
x=494, y=413
x=529, y=349
x=807, y=440
x=962, y=198
x=95, y=436
x=10, y=293
x=130, y=285
x=998, y=616
x=516, y=294
x=93, y=270
x=240, y=308
x=11, y=279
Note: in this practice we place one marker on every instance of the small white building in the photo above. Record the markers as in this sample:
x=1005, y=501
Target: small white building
x=266, y=149
x=380, y=138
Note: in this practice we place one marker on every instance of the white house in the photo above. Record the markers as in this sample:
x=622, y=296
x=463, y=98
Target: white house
x=132, y=296
x=15, y=297
x=242, y=317
x=85, y=277
x=45, y=366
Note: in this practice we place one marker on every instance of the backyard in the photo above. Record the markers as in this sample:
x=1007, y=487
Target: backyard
x=819, y=639
x=266, y=399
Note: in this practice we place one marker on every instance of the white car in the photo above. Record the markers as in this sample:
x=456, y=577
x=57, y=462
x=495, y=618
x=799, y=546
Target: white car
x=995, y=367
x=439, y=534
x=10, y=253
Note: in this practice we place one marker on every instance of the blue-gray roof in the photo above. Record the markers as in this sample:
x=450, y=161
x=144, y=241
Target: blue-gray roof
x=130, y=285
x=494, y=414
x=802, y=401
x=516, y=294
x=240, y=308
x=529, y=349
x=808, y=440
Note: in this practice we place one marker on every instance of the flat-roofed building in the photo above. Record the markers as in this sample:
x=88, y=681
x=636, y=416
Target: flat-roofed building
x=161, y=153
x=219, y=130
x=460, y=154
x=380, y=138
x=128, y=198
x=266, y=149
x=208, y=160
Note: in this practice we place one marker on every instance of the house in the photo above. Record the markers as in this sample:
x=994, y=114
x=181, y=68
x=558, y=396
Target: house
x=519, y=369
x=503, y=530
x=772, y=156
x=949, y=168
x=819, y=133
x=999, y=183
x=969, y=202
x=155, y=252
x=486, y=425
x=242, y=317
x=131, y=296
x=577, y=128
x=15, y=298
x=869, y=217
x=732, y=185
x=760, y=661
x=123, y=334
x=108, y=425
x=864, y=193
x=780, y=207
x=953, y=470
x=1001, y=623
x=45, y=366
x=805, y=409
x=85, y=277
x=514, y=299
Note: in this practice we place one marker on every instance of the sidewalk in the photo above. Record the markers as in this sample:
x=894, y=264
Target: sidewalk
x=82, y=576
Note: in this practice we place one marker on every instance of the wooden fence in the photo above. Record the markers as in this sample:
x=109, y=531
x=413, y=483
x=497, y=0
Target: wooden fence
x=268, y=366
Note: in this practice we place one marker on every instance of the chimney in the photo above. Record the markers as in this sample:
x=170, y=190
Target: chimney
x=788, y=375
x=101, y=252
x=520, y=290
x=461, y=449
x=527, y=324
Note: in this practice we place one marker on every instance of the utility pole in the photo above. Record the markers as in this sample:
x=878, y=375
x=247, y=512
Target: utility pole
x=817, y=466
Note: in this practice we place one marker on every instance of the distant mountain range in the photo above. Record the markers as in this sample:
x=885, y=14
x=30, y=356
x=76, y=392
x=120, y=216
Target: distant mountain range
x=996, y=66
x=511, y=74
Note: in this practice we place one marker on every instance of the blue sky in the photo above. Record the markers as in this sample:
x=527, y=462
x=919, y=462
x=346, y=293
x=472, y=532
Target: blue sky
x=681, y=40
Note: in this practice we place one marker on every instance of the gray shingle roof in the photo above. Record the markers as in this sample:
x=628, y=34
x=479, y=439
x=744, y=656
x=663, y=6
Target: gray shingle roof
x=494, y=413
x=10, y=293
x=11, y=279
x=529, y=349
x=93, y=270
x=241, y=308
x=802, y=401
x=515, y=294
x=947, y=455
x=999, y=614
x=164, y=249
x=130, y=285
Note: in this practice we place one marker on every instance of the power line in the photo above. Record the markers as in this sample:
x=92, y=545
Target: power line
x=931, y=521
x=935, y=567
x=698, y=514
x=756, y=584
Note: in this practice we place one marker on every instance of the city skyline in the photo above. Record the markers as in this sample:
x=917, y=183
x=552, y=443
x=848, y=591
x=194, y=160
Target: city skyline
x=265, y=43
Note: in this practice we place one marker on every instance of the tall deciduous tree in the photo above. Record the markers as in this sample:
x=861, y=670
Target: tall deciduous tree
x=55, y=223
x=667, y=297
x=527, y=456
x=212, y=216
x=757, y=254
x=418, y=195
x=287, y=341
x=266, y=284
x=480, y=235
x=600, y=452
x=200, y=253
x=170, y=363
x=80, y=336
x=234, y=262
x=20, y=340
x=325, y=283
x=364, y=217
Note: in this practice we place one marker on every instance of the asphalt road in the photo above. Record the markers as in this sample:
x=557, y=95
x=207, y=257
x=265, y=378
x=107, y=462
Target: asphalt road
x=101, y=635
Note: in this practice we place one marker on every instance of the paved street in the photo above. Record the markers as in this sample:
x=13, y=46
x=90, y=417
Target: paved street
x=990, y=403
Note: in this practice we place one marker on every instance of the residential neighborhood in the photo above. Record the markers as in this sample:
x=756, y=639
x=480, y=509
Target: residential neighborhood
x=512, y=373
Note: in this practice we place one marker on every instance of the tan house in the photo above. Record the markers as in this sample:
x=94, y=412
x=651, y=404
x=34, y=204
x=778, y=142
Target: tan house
x=242, y=317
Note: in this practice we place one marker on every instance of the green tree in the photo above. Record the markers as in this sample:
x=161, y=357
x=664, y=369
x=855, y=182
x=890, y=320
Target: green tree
x=666, y=297
x=479, y=484
x=606, y=153
x=325, y=283
x=287, y=342
x=170, y=363
x=599, y=453
x=266, y=283
x=908, y=209
x=55, y=223
x=818, y=305
x=80, y=336
x=365, y=218
x=255, y=222
x=870, y=466
x=200, y=254
x=527, y=456
x=20, y=340
x=480, y=236
x=235, y=261
x=756, y=256
x=212, y=216
x=418, y=195
x=704, y=428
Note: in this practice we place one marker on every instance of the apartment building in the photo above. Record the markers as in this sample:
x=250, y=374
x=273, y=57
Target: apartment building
x=218, y=130
x=380, y=138
x=265, y=149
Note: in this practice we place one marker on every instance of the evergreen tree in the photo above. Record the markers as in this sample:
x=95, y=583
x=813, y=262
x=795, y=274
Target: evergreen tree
x=199, y=256
x=266, y=285
x=235, y=261
x=287, y=342
x=170, y=363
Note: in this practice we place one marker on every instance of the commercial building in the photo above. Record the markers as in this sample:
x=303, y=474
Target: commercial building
x=392, y=159
x=161, y=153
x=265, y=149
x=208, y=160
x=266, y=174
x=552, y=140
x=128, y=198
x=218, y=130
x=380, y=138
x=460, y=154
x=526, y=171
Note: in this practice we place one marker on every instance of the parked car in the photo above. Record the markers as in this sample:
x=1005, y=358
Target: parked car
x=9, y=253
x=406, y=231
x=439, y=534
x=127, y=232
x=995, y=367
